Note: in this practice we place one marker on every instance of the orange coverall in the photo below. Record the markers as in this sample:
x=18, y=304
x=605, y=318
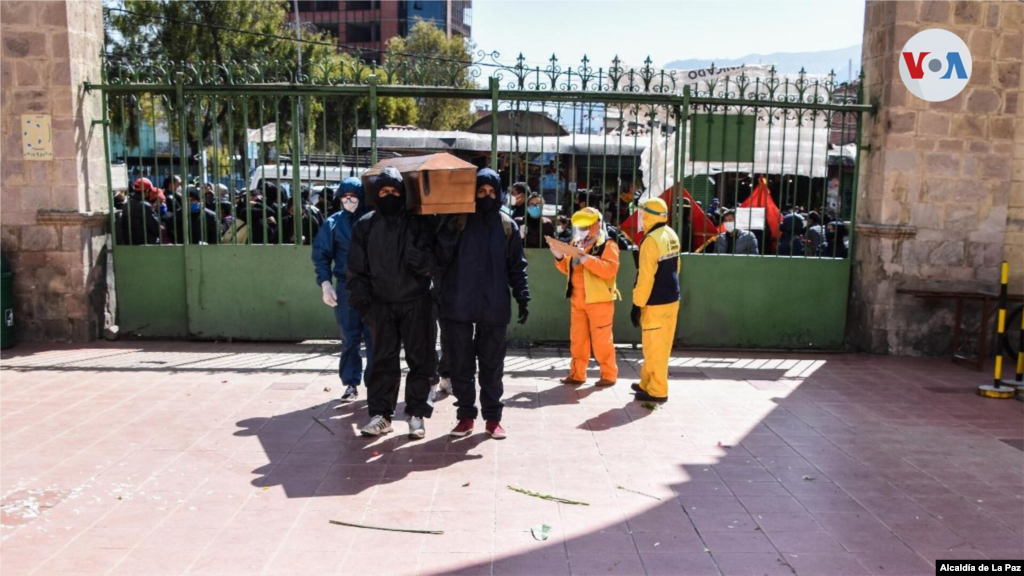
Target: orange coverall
x=590, y=325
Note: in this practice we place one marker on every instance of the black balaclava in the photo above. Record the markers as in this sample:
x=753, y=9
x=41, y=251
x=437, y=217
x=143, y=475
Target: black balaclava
x=390, y=205
x=487, y=204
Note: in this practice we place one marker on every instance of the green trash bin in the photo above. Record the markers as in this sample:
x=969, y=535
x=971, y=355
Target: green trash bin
x=6, y=304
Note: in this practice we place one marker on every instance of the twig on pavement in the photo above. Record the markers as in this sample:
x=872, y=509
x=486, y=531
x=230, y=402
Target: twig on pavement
x=623, y=488
x=385, y=528
x=324, y=425
x=547, y=497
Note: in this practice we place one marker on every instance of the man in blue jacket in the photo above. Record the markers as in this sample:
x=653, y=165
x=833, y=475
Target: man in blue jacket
x=482, y=263
x=330, y=248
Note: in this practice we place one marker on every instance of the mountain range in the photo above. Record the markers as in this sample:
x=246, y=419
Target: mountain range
x=820, y=62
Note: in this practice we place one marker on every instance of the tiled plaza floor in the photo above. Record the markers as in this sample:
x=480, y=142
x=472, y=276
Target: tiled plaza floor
x=202, y=458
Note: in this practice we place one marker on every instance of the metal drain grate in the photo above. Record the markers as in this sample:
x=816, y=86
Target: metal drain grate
x=1017, y=443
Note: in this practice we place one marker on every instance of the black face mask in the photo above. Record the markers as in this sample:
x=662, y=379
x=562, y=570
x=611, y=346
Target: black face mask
x=389, y=205
x=486, y=204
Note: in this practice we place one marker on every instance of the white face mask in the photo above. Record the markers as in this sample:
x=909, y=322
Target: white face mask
x=350, y=204
x=560, y=229
x=581, y=233
x=730, y=226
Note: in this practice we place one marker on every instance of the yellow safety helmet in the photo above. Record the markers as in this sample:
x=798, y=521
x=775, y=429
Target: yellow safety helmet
x=586, y=217
x=656, y=207
x=653, y=211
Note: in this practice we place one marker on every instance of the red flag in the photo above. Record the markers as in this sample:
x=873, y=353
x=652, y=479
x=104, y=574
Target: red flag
x=761, y=197
x=701, y=226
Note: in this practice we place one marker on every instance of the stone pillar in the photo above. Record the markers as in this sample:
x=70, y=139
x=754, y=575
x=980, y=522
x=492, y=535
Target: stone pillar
x=54, y=213
x=941, y=190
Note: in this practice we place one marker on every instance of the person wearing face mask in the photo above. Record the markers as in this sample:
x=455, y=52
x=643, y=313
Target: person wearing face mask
x=834, y=245
x=330, y=260
x=203, y=225
x=590, y=270
x=517, y=200
x=482, y=262
x=656, y=299
x=563, y=231
x=734, y=240
x=534, y=228
x=390, y=264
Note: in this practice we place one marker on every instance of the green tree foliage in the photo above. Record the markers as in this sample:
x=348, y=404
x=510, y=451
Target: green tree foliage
x=429, y=57
x=344, y=114
x=149, y=33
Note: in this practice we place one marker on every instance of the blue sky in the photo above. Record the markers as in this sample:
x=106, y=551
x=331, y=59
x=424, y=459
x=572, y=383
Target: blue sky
x=664, y=30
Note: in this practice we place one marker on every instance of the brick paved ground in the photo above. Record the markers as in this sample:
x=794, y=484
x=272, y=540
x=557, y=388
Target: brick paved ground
x=202, y=458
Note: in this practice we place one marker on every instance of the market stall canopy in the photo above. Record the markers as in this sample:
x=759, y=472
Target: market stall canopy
x=512, y=122
x=449, y=141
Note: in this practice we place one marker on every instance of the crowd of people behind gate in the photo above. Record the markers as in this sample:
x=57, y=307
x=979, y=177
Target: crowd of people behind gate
x=801, y=233
x=177, y=214
x=174, y=214
x=397, y=280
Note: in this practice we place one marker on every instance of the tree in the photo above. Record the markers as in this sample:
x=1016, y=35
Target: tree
x=429, y=57
x=201, y=33
x=345, y=114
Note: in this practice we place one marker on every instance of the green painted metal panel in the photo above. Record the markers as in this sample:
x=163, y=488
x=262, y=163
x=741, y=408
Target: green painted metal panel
x=268, y=293
x=763, y=302
x=255, y=293
x=701, y=188
x=150, y=284
x=722, y=138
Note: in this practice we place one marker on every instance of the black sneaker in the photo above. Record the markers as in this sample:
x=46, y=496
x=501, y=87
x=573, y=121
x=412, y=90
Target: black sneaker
x=351, y=394
x=636, y=388
x=642, y=396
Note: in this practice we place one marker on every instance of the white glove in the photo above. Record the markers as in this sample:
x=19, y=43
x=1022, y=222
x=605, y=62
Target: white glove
x=330, y=296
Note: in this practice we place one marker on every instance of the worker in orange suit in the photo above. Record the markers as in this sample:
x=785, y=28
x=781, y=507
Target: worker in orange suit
x=656, y=299
x=590, y=264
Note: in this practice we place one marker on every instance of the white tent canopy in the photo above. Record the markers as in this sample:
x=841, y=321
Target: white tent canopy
x=579, y=144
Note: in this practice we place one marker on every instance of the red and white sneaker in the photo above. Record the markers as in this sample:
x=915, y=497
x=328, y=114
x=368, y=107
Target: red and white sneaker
x=495, y=430
x=462, y=429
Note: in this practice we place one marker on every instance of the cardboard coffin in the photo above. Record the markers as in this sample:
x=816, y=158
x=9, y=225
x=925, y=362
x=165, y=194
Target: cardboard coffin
x=434, y=184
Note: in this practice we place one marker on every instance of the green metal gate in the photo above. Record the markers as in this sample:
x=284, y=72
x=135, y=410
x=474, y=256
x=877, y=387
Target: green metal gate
x=718, y=133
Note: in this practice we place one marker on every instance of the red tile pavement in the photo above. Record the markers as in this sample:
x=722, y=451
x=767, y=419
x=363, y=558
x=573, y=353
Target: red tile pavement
x=204, y=458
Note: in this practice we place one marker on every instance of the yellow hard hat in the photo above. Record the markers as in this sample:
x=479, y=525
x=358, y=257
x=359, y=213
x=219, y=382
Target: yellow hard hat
x=656, y=207
x=586, y=217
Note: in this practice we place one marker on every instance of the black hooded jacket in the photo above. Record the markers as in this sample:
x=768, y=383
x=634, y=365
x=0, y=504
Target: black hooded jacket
x=391, y=258
x=484, y=266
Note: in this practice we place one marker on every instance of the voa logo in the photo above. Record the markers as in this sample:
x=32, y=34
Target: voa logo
x=935, y=65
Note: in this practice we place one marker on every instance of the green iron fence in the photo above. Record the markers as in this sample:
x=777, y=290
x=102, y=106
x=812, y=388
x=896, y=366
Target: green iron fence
x=271, y=142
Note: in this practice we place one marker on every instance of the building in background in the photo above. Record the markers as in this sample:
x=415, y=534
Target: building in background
x=369, y=25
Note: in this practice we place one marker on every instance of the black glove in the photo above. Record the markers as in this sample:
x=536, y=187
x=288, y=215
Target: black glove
x=634, y=316
x=524, y=312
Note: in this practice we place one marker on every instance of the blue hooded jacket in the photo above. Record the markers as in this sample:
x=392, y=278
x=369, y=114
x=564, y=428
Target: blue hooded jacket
x=484, y=265
x=332, y=242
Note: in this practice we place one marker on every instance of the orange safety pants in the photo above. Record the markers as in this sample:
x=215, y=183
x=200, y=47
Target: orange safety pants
x=590, y=325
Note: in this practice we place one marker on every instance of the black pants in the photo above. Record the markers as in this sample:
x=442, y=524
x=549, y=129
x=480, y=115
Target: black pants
x=443, y=369
x=408, y=325
x=465, y=348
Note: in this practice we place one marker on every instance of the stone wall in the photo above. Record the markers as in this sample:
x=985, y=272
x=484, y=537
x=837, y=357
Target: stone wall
x=941, y=190
x=53, y=213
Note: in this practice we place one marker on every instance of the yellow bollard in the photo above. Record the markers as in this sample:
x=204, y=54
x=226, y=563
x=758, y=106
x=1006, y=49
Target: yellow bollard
x=998, y=389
